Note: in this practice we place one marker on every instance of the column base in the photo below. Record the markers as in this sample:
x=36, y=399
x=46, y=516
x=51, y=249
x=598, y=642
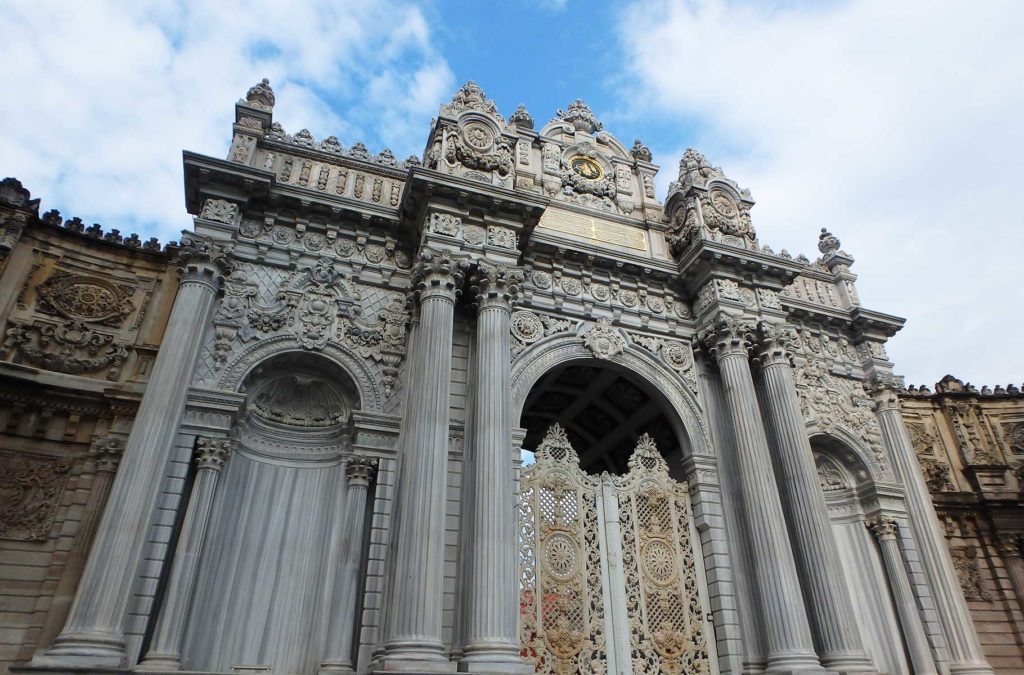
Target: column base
x=160, y=662
x=970, y=669
x=498, y=659
x=849, y=663
x=794, y=663
x=92, y=650
x=334, y=667
x=422, y=658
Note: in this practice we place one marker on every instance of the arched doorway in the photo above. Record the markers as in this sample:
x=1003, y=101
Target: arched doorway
x=264, y=588
x=610, y=561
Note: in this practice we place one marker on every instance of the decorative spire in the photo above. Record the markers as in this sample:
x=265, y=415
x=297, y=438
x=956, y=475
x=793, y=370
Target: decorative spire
x=580, y=116
x=640, y=151
x=261, y=96
x=827, y=242
x=521, y=118
x=471, y=97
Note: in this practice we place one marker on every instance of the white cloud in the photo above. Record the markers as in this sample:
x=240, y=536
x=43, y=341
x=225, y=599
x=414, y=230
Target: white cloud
x=897, y=125
x=101, y=97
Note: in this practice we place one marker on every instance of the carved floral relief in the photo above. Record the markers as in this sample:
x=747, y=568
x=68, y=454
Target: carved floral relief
x=31, y=487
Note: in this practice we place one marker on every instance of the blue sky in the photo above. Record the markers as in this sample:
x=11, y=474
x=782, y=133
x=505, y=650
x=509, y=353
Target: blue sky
x=896, y=125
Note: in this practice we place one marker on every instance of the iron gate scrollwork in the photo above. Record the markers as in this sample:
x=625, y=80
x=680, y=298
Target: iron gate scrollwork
x=608, y=576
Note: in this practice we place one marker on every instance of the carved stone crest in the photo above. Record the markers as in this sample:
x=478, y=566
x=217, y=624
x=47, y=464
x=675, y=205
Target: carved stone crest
x=603, y=340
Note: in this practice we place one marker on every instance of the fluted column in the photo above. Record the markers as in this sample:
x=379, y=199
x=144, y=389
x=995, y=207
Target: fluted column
x=1010, y=548
x=165, y=648
x=829, y=607
x=106, y=455
x=788, y=635
x=492, y=598
x=94, y=632
x=414, y=615
x=359, y=471
x=914, y=636
x=965, y=651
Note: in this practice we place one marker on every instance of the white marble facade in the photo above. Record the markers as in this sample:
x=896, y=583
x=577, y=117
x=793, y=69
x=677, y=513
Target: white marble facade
x=323, y=473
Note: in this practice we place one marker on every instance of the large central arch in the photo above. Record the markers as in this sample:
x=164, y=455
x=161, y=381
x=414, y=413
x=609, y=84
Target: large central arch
x=639, y=366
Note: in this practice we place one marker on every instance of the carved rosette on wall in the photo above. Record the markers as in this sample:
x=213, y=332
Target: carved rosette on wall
x=31, y=488
x=527, y=328
x=676, y=354
x=662, y=596
x=562, y=612
x=85, y=298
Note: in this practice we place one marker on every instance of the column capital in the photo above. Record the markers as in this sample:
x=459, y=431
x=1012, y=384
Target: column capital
x=885, y=389
x=438, y=275
x=107, y=452
x=359, y=471
x=212, y=453
x=775, y=344
x=728, y=335
x=882, y=527
x=203, y=261
x=496, y=285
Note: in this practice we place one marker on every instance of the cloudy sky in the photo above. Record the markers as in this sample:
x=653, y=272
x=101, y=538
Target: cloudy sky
x=898, y=125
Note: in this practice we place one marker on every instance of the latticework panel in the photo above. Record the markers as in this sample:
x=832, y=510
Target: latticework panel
x=562, y=613
x=663, y=605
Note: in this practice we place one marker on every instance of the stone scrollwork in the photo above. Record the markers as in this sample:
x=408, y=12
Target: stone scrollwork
x=603, y=340
x=968, y=571
x=70, y=347
x=31, y=487
x=446, y=224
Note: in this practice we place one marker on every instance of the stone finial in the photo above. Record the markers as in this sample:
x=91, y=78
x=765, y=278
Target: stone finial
x=641, y=151
x=950, y=384
x=471, y=97
x=827, y=242
x=581, y=117
x=13, y=193
x=521, y=118
x=694, y=167
x=261, y=96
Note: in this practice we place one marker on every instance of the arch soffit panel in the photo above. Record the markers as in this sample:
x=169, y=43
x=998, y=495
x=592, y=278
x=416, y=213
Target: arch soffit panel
x=369, y=389
x=846, y=451
x=539, y=358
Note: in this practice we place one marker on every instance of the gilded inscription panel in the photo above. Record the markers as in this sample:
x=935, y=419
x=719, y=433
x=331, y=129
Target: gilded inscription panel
x=595, y=230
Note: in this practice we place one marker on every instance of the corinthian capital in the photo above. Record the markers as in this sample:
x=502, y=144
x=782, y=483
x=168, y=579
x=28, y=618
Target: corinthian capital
x=106, y=452
x=727, y=336
x=202, y=259
x=775, y=344
x=438, y=275
x=496, y=285
x=360, y=470
x=212, y=453
x=882, y=527
x=885, y=389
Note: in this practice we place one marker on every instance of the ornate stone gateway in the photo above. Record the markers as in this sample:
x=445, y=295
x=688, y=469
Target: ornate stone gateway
x=608, y=582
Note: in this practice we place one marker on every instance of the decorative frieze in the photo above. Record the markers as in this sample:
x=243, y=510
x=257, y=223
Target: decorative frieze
x=70, y=347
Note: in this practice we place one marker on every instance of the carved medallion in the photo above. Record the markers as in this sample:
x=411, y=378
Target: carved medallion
x=374, y=253
x=572, y=286
x=85, y=298
x=478, y=136
x=724, y=203
x=599, y=292
x=526, y=326
x=541, y=280
x=586, y=168
x=603, y=340
x=628, y=298
x=677, y=355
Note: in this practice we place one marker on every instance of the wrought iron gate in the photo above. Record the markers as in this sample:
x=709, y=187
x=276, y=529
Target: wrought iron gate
x=608, y=580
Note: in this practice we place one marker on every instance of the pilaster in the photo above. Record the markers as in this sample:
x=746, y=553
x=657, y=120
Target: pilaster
x=413, y=642
x=165, y=651
x=885, y=531
x=839, y=643
x=790, y=646
x=492, y=599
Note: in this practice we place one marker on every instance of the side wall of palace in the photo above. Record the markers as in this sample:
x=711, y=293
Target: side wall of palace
x=971, y=448
x=83, y=313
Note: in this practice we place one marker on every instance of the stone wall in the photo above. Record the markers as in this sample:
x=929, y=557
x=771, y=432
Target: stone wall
x=970, y=444
x=83, y=313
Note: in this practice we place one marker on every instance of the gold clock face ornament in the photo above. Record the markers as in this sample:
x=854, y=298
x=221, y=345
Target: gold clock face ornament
x=586, y=167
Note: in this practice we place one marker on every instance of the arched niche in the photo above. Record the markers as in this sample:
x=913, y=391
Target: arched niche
x=847, y=481
x=547, y=364
x=273, y=545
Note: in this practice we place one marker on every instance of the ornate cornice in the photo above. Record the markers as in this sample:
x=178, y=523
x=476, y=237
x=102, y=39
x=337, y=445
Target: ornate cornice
x=496, y=285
